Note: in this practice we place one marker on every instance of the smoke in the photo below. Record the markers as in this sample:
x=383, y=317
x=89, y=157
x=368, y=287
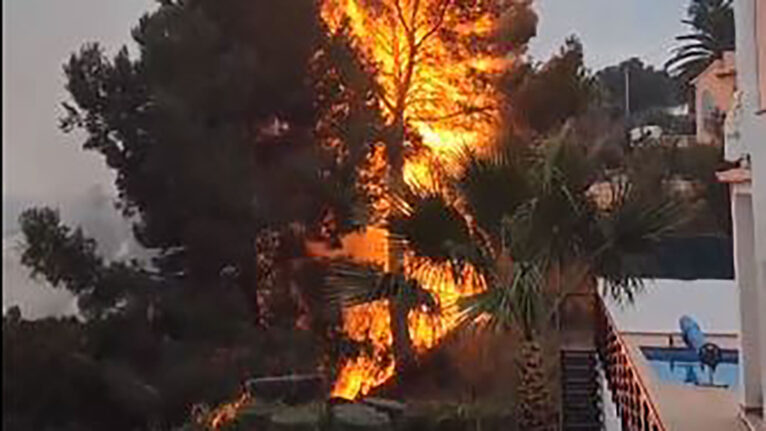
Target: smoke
x=94, y=211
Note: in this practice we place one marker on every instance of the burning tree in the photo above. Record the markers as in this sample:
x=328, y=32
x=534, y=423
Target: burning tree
x=543, y=236
x=437, y=63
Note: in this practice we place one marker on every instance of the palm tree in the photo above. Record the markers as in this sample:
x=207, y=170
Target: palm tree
x=355, y=284
x=712, y=25
x=520, y=218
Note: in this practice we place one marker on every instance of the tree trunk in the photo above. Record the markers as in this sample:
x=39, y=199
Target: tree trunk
x=248, y=283
x=404, y=355
x=535, y=411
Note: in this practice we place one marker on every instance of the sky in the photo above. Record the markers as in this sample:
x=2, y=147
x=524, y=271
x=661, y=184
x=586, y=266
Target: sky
x=611, y=30
x=41, y=165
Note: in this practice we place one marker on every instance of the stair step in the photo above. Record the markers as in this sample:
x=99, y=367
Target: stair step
x=577, y=396
x=583, y=427
x=578, y=355
x=581, y=373
x=585, y=416
x=582, y=408
x=582, y=420
x=581, y=391
x=580, y=402
x=578, y=365
x=590, y=411
x=579, y=388
x=579, y=377
x=584, y=358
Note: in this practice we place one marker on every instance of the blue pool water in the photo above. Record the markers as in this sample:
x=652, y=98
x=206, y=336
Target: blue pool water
x=681, y=365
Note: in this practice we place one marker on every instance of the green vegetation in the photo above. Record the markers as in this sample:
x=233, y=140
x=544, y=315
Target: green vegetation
x=539, y=239
x=711, y=34
x=650, y=89
x=226, y=164
x=242, y=131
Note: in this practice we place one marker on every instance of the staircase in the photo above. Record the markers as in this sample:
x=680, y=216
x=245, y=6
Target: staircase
x=581, y=391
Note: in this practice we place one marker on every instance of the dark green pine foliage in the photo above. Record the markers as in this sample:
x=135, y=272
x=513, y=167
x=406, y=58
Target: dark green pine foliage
x=543, y=96
x=213, y=130
x=235, y=133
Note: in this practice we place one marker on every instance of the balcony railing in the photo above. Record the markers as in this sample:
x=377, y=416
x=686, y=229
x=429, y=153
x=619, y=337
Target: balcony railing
x=635, y=406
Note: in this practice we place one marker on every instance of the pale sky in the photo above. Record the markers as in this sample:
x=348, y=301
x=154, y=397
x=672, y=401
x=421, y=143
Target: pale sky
x=611, y=30
x=38, y=35
x=40, y=163
x=43, y=166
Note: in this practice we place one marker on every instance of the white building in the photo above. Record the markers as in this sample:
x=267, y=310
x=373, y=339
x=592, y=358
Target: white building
x=746, y=144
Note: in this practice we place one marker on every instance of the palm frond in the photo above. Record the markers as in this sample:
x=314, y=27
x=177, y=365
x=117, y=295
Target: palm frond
x=699, y=48
x=677, y=60
x=506, y=303
x=567, y=163
x=712, y=33
x=700, y=37
x=495, y=185
x=635, y=227
x=349, y=284
x=435, y=231
x=551, y=226
x=430, y=225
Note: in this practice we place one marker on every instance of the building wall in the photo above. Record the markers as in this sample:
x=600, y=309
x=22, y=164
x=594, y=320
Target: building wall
x=714, y=89
x=761, y=34
x=751, y=136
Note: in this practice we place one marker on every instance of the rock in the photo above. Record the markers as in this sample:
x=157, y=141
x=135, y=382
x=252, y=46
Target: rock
x=293, y=389
x=300, y=418
x=256, y=415
x=359, y=417
x=394, y=409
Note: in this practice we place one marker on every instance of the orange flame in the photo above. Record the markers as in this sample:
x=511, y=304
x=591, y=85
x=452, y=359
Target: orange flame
x=433, y=85
x=224, y=413
x=442, y=91
x=442, y=99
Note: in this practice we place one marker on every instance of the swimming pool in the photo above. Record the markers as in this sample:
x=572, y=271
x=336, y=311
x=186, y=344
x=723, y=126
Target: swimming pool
x=682, y=366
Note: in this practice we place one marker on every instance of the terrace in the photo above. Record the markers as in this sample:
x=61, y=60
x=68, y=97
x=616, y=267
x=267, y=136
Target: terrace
x=648, y=373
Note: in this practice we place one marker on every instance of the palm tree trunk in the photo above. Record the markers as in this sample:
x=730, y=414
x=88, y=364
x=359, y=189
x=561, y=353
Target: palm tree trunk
x=403, y=353
x=535, y=411
x=404, y=356
x=248, y=283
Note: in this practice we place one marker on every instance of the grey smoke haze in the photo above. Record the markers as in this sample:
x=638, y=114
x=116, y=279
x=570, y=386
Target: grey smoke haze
x=42, y=166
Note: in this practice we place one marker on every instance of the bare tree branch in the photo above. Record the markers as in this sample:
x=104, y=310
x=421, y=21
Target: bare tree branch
x=400, y=14
x=440, y=20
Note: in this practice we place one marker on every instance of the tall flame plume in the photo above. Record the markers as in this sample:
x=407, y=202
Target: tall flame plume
x=435, y=61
